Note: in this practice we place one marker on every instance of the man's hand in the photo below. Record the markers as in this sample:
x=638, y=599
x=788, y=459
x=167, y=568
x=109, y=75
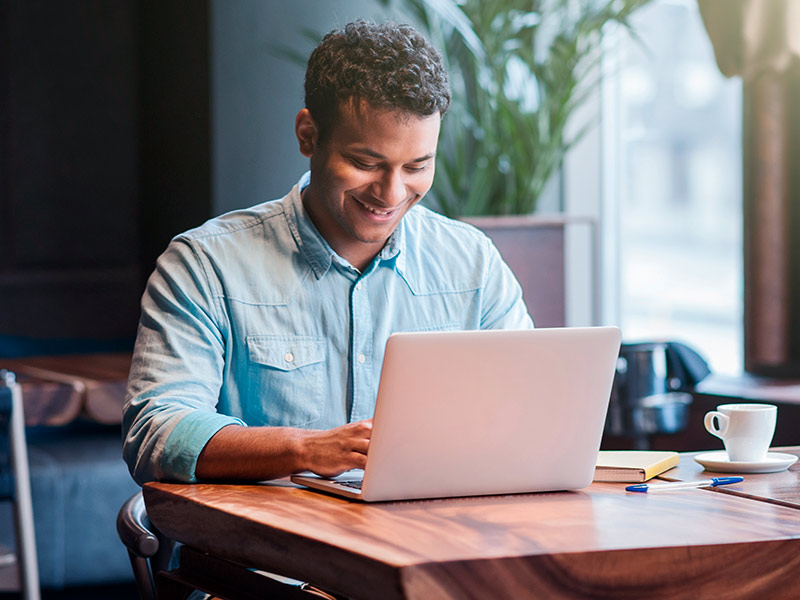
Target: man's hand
x=258, y=453
x=331, y=452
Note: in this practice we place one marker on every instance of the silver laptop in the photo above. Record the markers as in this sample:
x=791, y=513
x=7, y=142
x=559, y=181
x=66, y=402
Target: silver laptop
x=467, y=413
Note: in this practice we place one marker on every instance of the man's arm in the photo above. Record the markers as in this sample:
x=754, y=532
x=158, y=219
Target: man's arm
x=257, y=453
x=176, y=372
x=171, y=427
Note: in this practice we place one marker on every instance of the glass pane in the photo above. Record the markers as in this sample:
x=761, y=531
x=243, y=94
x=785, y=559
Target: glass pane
x=680, y=188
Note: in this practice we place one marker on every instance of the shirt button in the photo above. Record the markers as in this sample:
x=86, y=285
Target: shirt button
x=358, y=286
x=361, y=358
x=288, y=357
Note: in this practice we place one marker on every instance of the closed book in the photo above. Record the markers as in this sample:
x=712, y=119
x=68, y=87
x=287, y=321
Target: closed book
x=633, y=465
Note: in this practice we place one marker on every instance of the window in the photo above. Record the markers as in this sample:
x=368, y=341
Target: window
x=675, y=162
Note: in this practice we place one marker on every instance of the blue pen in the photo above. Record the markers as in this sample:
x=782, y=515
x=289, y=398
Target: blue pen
x=678, y=485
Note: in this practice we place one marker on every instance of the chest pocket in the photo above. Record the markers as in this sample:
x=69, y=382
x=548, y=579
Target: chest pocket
x=286, y=376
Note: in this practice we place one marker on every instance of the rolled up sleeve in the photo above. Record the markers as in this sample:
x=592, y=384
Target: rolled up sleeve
x=176, y=374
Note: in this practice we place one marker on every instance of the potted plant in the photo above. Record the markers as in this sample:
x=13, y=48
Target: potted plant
x=519, y=69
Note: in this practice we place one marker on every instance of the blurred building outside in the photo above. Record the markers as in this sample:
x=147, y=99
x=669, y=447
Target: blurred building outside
x=675, y=185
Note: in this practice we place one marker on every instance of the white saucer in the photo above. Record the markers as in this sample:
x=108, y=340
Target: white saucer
x=718, y=462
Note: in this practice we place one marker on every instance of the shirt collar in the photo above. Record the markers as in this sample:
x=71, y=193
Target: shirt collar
x=316, y=249
x=394, y=250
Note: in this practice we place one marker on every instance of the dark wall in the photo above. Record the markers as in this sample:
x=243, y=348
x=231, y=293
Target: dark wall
x=68, y=168
x=175, y=122
x=771, y=151
x=793, y=151
x=104, y=130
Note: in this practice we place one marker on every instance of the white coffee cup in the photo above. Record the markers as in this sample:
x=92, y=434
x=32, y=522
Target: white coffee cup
x=745, y=429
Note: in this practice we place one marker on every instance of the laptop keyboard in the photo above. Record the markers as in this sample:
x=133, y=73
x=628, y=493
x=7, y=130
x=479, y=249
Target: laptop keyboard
x=355, y=484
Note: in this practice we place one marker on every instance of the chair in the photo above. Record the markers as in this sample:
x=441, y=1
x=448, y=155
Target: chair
x=15, y=486
x=148, y=549
x=150, y=552
x=77, y=479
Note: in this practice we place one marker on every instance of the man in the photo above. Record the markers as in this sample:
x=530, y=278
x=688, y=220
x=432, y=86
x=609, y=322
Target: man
x=262, y=332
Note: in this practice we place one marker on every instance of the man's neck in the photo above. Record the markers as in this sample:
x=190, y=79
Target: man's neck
x=358, y=254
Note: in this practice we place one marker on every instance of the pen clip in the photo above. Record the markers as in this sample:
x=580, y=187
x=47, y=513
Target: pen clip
x=715, y=481
x=639, y=487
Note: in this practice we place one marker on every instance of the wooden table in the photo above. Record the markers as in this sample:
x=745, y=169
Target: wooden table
x=600, y=542
x=56, y=390
x=782, y=488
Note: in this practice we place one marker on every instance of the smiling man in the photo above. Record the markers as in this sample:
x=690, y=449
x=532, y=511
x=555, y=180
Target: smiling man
x=262, y=331
x=375, y=166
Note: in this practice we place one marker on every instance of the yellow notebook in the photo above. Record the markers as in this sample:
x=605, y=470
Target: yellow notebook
x=633, y=465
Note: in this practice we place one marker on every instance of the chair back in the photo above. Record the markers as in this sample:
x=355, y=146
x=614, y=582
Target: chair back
x=15, y=483
x=6, y=469
x=148, y=549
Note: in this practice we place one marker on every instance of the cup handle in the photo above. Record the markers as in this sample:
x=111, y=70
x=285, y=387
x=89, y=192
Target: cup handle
x=722, y=420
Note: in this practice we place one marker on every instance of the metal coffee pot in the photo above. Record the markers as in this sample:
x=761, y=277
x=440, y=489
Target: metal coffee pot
x=652, y=389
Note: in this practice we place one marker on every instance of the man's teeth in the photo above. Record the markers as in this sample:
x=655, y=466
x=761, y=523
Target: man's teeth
x=374, y=210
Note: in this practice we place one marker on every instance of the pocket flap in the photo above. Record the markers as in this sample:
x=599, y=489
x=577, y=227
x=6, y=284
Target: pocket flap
x=284, y=352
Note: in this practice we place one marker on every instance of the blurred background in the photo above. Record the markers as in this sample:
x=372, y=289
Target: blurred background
x=122, y=124
x=658, y=139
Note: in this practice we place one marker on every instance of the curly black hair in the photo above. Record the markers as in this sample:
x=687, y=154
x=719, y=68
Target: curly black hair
x=386, y=65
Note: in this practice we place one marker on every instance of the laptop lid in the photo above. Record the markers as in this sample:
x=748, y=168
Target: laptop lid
x=467, y=413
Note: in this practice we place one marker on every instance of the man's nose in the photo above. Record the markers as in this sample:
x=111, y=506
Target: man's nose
x=393, y=188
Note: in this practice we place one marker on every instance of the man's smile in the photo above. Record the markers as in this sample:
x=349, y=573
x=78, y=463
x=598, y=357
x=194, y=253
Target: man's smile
x=373, y=210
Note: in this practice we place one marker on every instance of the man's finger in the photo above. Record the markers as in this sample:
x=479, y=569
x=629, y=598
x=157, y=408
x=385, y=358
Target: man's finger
x=360, y=446
x=359, y=460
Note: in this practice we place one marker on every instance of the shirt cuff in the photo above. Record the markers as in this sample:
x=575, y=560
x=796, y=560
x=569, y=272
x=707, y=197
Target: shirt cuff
x=187, y=440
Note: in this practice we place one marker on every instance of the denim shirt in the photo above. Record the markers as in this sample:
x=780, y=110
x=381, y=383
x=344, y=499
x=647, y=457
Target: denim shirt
x=253, y=319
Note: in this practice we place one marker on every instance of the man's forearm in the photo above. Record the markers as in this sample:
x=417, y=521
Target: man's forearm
x=258, y=453
x=250, y=453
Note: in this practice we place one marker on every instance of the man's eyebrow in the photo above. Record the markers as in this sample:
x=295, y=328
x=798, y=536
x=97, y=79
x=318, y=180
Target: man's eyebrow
x=379, y=156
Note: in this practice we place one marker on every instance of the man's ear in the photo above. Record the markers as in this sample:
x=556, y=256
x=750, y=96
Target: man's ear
x=306, y=131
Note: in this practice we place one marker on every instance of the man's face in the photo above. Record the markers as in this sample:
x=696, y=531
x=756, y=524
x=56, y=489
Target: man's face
x=373, y=167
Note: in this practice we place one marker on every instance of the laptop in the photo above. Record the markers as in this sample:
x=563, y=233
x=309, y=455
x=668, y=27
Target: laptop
x=466, y=413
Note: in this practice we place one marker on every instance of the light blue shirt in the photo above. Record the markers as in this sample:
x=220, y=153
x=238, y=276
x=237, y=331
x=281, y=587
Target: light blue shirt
x=253, y=319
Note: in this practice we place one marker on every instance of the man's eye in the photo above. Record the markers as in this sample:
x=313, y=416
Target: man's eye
x=413, y=169
x=363, y=165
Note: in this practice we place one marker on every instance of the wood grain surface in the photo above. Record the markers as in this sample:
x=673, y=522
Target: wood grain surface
x=781, y=488
x=58, y=389
x=599, y=542
x=48, y=402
